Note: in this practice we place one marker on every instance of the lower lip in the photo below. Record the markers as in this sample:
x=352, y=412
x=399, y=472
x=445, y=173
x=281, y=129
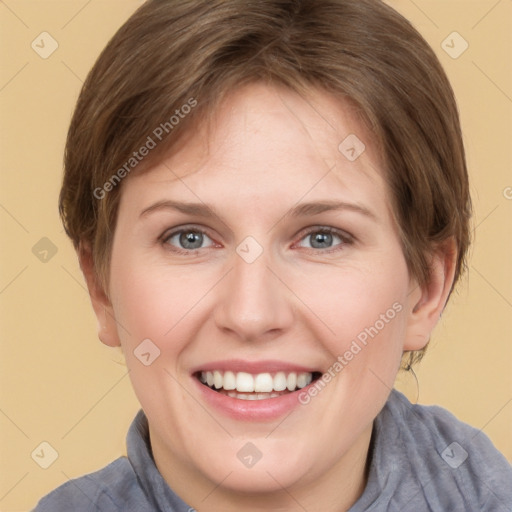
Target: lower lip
x=267, y=409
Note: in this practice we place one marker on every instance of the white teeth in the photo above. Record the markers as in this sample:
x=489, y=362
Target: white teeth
x=229, y=381
x=280, y=381
x=244, y=382
x=291, y=382
x=217, y=379
x=303, y=379
x=249, y=396
x=264, y=383
x=261, y=386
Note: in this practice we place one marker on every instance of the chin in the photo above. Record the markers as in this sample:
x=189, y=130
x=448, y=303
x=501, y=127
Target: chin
x=261, y=481
x=258, y=466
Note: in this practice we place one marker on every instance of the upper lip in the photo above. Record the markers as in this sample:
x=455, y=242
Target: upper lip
x=253, y=367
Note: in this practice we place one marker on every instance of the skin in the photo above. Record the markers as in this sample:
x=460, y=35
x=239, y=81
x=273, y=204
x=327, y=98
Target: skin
x=268, y=151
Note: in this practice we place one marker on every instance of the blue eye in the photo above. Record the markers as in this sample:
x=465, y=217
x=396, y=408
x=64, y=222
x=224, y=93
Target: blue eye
x=322, y=239
x=189, y=239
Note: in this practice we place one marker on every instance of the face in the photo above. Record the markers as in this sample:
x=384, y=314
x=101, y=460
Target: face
x=262, y=262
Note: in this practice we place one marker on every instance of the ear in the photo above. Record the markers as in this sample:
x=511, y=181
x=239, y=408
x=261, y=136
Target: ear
x=107, y=328
x=429, y=301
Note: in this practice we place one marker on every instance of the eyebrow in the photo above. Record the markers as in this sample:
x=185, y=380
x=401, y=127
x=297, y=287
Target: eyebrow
x=301, y=210
x=196, y=209
x=316, y=208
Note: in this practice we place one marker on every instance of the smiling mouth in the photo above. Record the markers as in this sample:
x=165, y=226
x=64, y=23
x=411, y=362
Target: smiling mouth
x=261, y=386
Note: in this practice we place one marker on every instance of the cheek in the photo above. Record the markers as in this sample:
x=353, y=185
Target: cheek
x=349, y=300
x=362, y=315
x=157, y=303
x=150, y=301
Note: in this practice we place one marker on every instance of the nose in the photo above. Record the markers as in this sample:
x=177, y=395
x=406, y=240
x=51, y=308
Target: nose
x=253, y=304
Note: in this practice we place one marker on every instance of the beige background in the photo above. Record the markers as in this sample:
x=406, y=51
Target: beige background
x=60, y=385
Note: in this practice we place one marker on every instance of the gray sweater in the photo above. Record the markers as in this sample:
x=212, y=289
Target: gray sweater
x=423, y=459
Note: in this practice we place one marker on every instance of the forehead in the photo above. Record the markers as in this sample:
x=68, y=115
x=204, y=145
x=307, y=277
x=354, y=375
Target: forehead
x=269, y=142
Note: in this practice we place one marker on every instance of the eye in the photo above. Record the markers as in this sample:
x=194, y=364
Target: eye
x=188, y=240
x=324, y=238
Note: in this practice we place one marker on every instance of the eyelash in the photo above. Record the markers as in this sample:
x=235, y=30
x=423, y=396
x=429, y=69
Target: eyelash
x=346, y=239
x=187, y=229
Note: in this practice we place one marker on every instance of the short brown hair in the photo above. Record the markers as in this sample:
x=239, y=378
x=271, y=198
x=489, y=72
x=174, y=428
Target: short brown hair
x=170, y=53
